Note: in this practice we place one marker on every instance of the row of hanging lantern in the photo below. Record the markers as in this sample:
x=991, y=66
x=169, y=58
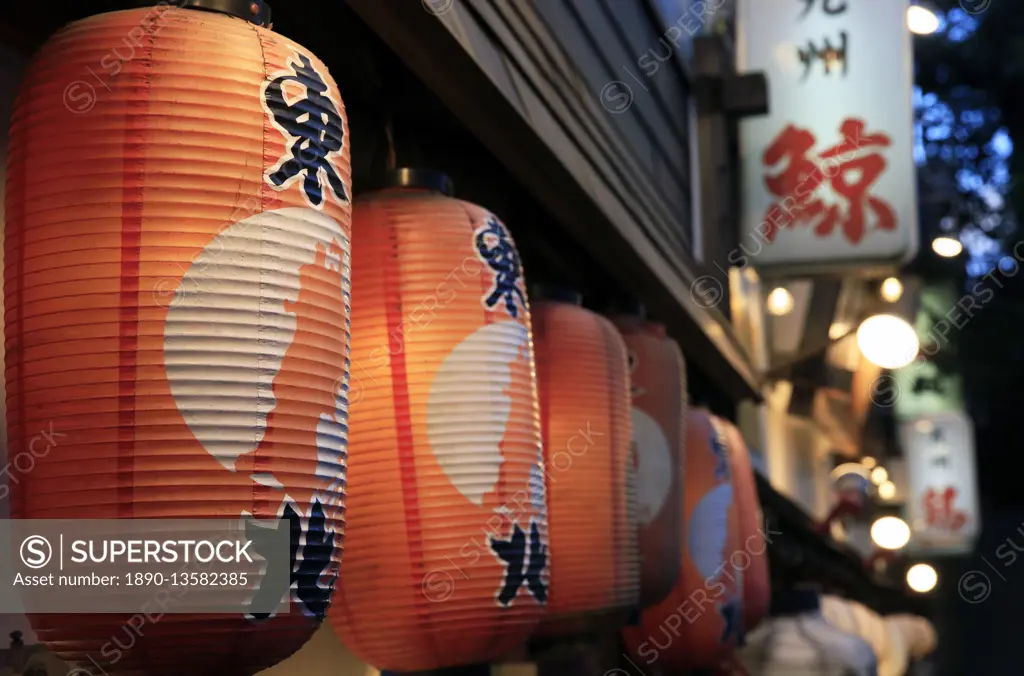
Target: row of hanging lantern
x=723, y=588
x=184, y=318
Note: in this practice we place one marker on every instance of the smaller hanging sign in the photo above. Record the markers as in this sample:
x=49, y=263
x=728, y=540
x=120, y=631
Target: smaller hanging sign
x=921, y=387
x=942, y=500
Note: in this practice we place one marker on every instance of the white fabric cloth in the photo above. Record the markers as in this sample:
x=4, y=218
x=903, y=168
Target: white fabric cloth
x=886, y=641
x=896, y=659
x=918, y=634
x=806, y=645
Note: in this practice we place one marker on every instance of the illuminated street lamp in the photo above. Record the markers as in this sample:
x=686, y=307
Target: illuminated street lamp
x=892, y=290
x=890, y=532
x=780, y=301
x=947, y=247
x=921, y=20
x=922, y=578
x=888, y=341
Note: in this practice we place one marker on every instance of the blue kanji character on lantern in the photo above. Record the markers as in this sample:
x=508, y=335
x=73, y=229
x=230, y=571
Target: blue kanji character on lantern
x=721, y=456
x=315, y=127
x=495, y=248
x=732, y=618
x=518, y=568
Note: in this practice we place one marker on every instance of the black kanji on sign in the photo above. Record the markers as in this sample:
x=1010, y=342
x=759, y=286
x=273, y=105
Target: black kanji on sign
x=933, y=384
x=522, y=564
x=495, y=247
x=829, y=7
x=832, y=56
x=305, y=574
x=315, y=126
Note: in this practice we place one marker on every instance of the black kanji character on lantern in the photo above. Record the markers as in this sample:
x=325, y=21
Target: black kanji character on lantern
x=305, y=574
x=830, y=7
x=513, y=552
x=316, y=129
x=830, y=55
x=495, y=247
x=316, y=557
x=733, y=621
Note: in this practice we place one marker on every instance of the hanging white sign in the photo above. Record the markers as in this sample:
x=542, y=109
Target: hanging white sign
x=828, y=175
x=942, y=496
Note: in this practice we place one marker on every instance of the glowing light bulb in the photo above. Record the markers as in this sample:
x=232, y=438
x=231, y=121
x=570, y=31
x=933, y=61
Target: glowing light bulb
x=890, y=532
x=838, y=330
x=947, y=247
x=888, y=341
x=892, y=289
x=921, y=20
x=780, y=301
x=922, y=578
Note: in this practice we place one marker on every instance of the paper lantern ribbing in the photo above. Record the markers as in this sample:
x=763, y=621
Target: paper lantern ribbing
x=176, y=260
x=658, y=387
x=701, y=621
x=583, y=379
x=446, y=542
x=757, y=589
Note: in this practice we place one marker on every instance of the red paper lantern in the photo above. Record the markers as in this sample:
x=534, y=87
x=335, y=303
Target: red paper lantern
x=754, y=553
x=446, y=543
x=583, y=378
x=700, y=622
x=658, y=383
x=176, y=287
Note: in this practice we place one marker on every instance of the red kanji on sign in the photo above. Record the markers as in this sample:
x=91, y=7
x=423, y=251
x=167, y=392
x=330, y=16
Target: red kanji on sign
x=940, y=511
x=851, y=175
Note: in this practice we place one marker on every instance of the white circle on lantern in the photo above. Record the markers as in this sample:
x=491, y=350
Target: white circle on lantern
x=468, y=407
x=708, y=531
x=538, y=490
x=227, y=332
x=654, y=466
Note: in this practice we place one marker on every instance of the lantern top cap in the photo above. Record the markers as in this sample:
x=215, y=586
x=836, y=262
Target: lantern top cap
x=413, y=177
x=557, y=293
x=253, y=11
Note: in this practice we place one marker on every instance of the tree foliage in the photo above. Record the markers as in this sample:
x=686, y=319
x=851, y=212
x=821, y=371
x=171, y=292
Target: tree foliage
x=971, y=77
x=971, y=80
